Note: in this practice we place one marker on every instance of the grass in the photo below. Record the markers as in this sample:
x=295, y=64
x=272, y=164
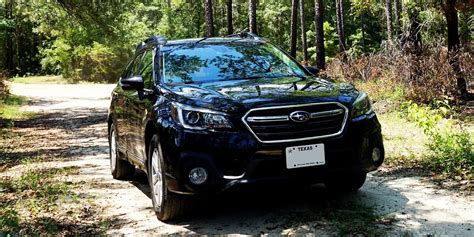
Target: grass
x=51, y=79
x=404, y=142
x=40, y=80
x=43, y=201
x=386, y=90
x=28, y=198
x=353, y=219
x=10, y=110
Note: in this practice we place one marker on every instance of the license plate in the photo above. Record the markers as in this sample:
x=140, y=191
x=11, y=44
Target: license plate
x=304, y=156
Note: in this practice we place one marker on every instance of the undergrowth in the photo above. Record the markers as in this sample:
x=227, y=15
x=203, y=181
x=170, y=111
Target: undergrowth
x=401, y=76
x=41, y=200
x=10, y=110
x=450, y=145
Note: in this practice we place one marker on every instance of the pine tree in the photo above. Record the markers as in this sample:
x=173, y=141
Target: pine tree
x=304, y=43
x=209, y=18
x=253, y=16
x=319, y=33
x=230, y=23
x=388, y=12
x=293, y=26
x=340, y=26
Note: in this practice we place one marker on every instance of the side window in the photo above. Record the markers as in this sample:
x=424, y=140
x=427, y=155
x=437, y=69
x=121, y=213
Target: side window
x=146, y=69
x=133, y=67
x=136, y=66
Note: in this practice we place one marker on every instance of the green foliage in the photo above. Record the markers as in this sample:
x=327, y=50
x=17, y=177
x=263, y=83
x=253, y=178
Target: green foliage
x=8, y=217
x=451, y=147
x=330, y=42
x=4, y=90
x=93, y=41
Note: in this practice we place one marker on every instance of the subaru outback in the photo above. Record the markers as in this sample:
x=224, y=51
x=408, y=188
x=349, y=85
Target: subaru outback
x=204, y=116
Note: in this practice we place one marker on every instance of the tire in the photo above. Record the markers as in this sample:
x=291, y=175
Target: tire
x=120, y=168
x=166, y=205
x=344, y=183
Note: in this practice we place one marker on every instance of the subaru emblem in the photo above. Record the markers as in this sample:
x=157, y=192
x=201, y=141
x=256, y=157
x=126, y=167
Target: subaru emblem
x=300, y=116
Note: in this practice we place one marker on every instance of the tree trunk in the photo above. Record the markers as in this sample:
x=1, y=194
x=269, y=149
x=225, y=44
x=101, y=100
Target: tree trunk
x=9, y=39
x=451, y=15
x=362, y=22
x=388, y=12
x=398, y=12
x=253, y=16
x=340, y=27
x=304, y=43
x=230, y=24
x=294, y=17
x=209, y=18
x=319, y=33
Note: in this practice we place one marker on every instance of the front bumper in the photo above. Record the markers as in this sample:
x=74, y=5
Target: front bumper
x=233, y=159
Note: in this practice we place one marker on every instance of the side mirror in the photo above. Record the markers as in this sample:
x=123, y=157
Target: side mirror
x=313, y=70
x=132, y=83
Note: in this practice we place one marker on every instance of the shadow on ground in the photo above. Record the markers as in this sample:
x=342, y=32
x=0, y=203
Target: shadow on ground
x=282, y=209
x=63, y=135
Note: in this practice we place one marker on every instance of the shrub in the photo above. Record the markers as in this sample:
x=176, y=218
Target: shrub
x=98, y=63
x=450, y=145
x=4, y=91
x=94, y=63
x=422, y=78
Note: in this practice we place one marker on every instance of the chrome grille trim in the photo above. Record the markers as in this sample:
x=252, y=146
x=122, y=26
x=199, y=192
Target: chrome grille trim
x=264, y=119
x=327, y=113
x=316, y=114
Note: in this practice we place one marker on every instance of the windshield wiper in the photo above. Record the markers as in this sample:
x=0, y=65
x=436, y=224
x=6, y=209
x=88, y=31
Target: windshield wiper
x=199, y=41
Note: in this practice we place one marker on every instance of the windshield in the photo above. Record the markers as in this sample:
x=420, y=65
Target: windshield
x=187, y=64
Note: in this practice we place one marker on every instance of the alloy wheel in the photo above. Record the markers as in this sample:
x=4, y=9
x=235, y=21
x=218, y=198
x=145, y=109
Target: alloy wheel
x=156, y=178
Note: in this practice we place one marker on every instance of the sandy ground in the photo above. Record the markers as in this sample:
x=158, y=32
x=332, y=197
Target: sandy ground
x=78, y=114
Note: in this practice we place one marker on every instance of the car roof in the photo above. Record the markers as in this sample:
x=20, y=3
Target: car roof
x=216, y=40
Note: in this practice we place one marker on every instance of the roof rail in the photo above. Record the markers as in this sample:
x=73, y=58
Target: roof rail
x=152, y=40
x=246, y=34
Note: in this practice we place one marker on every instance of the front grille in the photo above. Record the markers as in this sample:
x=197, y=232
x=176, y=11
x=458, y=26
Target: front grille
x=274, y=124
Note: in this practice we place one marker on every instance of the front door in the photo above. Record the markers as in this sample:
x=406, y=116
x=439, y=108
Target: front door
x=138, y=109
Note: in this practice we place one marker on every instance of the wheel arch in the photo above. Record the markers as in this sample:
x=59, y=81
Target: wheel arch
x=150, y=130
x=109, y=125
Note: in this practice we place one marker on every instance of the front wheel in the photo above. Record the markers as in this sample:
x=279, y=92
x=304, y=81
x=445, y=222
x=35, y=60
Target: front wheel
x=347, y=182
x=167, y=205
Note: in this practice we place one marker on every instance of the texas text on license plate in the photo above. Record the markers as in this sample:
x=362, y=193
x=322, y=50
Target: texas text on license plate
x=304, y=156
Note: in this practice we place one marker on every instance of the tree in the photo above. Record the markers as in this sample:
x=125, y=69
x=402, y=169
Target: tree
x=253, y=16
x=451, y=15
x=209, y=18
x=8, y=64
x=319, y=33
x=294, y=17
x=304, y=43
x=340, y=26
x=388, y=12
x=230, y=23
x=398, y=12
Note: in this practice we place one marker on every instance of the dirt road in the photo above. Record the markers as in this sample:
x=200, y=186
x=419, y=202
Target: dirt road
x=75, y=114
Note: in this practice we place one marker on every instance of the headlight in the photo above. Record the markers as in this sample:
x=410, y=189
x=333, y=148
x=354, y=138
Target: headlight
x=361, y=105
x=199, y=118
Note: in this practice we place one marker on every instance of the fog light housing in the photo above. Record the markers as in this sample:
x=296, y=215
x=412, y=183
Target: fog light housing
x=376, y=154
x=198, y=176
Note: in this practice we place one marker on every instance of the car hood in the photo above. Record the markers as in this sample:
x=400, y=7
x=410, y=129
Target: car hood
x=237, y=95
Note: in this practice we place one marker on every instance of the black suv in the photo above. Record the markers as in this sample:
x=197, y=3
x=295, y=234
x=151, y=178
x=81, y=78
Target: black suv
x=201, y=116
